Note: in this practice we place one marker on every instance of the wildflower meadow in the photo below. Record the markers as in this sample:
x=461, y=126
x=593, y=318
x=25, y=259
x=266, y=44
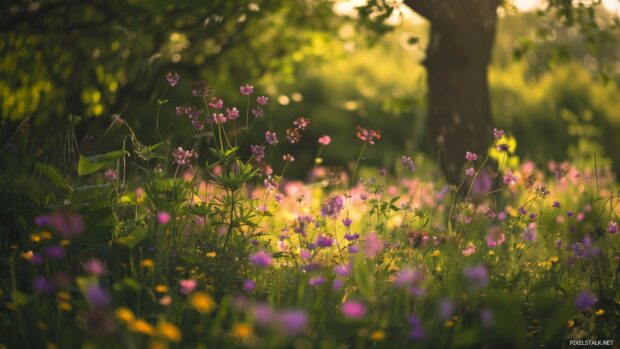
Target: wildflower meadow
x=222, y=219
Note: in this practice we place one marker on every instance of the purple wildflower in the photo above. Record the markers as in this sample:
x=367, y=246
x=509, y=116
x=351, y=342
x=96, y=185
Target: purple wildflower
x=54, y=251
x=97, y=297
x=332, y=206
x=417, y=331
x=271, y=138
x=585, y=300
x=407, y=162
x=317, y=281
x=478, y=275
x=612, y=228
x=261, y=259
x=445, y=308
x=258, y=151
x=324, y=241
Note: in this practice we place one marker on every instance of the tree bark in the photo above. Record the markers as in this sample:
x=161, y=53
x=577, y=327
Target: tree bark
x=459, y=112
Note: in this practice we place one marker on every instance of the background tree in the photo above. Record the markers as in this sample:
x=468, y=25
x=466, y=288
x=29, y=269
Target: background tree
x=462, y=34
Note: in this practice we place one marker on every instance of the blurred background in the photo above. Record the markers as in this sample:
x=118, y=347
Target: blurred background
x=552, y=82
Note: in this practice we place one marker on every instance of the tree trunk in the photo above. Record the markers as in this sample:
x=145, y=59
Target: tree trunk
x=457, y=57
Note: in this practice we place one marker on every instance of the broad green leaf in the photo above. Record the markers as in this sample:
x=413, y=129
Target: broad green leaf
x=53, y=174
x=134, y=237
x=94, y=163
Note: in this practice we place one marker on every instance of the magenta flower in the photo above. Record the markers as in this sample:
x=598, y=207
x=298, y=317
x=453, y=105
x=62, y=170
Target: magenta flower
x=110, y=174
x=182, y=157
x=301, y=123
x=94, y=266
x=233, y=113
x=497, y=134
x=510, y=178
x=247, y=89
x=367, y=135
x=293, y=135
x=373, y=245
x=271, y=138
x=163, y=217
x=470, y=172
x=469, y=156
x=292, y=322
x=469, y=250
x=325, y=140
x=495, y=236
x=530, y=232
x=187, y=286
x=262, y=100
x=353, y=309
x=216, y=103
x=342, y=269
x=408, y=277
x=249, y=285
x=261, y=259
x=173, y=79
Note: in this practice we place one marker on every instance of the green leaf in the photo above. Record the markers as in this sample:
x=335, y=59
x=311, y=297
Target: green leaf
x=53, y=174
x=134, y=237
x=89, y=192
x=94, y=163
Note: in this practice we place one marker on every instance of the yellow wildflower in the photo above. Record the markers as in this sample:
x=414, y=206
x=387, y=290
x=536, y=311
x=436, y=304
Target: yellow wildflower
x=211, y=254
x=124, y=314
x=170, y=332
x=449, y=323
x=46, y=235
x=35, y=238
x=377, y=335
x=436, y=253
x=570, y=323
x=142, y=326
x=161, y=288
x=242, y=331
x=202, y=302
x=26, y=255
x=600, y=312
x=65, y=306
x=148, y=263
